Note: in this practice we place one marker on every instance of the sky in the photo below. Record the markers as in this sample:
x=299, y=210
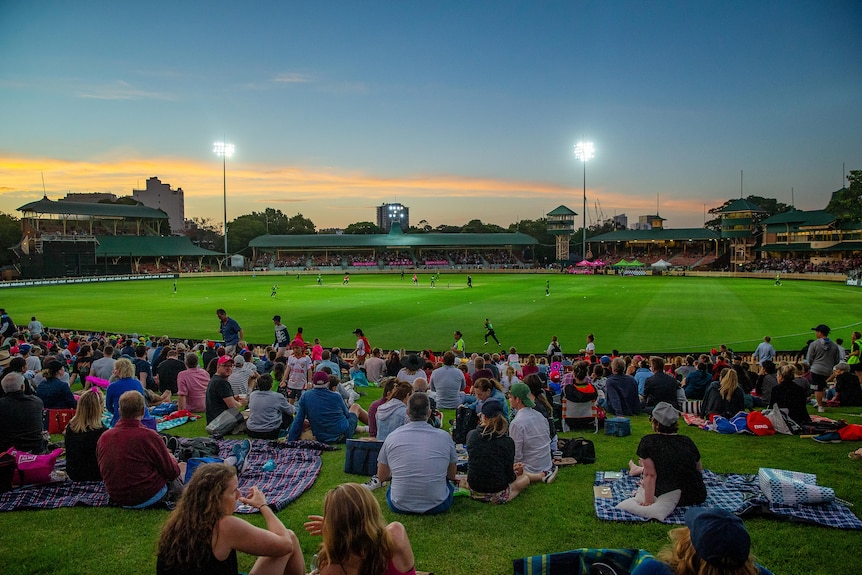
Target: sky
x=458, y=110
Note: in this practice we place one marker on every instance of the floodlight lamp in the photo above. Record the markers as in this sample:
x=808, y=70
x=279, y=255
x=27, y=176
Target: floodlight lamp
x=584, y=151
x=223, y=149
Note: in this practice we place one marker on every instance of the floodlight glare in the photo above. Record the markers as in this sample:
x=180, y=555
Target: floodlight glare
x=584, y=151
x=223, y=149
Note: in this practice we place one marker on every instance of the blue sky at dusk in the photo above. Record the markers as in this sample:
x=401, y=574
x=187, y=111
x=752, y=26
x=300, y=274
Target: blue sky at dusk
x=460, y=110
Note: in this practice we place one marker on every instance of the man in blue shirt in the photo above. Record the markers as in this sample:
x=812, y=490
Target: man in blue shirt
x=330, y=419
x=230, y=330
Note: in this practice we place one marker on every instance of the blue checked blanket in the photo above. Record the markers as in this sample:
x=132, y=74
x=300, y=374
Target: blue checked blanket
x=738, y=494
x=297, y=465
x=578, y=561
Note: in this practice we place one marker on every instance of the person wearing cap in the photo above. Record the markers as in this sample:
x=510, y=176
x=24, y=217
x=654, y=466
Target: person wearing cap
x=421, y=462
x=297, y=373
x=20, y=416
x=459, y=348
x=230, y=330
x=282, y=336
x=713, y=541
x=363, y=348
x=529, y=431
x=847, y=388
x=493, y=475
x=329, y=417
x=220, y=396
x=448, y=383
x=669, y=462
x=411, y=368
x=823, y=355
x=243, y=377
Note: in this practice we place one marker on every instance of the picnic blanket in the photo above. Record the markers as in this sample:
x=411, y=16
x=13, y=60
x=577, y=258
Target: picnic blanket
x=297, y=465
x=738, y=494
x=578, y=561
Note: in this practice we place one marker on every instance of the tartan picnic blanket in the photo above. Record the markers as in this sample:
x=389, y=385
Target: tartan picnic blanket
x=297, y=465
x=736, y=493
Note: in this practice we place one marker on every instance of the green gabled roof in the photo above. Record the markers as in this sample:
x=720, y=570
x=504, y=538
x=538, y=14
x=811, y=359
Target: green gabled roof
x=396, y=240
x=796, y=247
x=64, y=208
x=664, y=234
x=561, y=211
x=149, y=246
x=801, y=218
x=741, y=205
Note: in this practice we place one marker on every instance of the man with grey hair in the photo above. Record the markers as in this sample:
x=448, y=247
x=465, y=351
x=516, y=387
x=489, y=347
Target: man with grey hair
x=622, y=390
x=420, y=461
x=20, y=417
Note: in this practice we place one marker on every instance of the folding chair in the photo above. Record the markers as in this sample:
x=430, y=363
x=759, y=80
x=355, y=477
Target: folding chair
x=584, y=411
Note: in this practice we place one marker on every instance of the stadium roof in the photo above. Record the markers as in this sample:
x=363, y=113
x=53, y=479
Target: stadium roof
x=66, y=208
x=662, y=235
x=149, y=246
x=741, y=205
x=561, y=211
x=801, y=218
x=395, y=239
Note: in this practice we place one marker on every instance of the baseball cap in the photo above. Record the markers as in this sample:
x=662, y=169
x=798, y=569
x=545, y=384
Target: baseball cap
x=211, y=344
x=238, y=361
x=522, y=392
x=492, y=408
x=824, y=329
x=357, y=330
x=24, y=348
x=718, y=536
x=320, y=378
x=605, y=360
x=225, y=359
x=665, y=414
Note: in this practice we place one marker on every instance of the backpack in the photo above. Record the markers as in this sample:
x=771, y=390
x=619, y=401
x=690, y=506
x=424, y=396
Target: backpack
x=466, y=420
x=582, y=450
x=196, y=447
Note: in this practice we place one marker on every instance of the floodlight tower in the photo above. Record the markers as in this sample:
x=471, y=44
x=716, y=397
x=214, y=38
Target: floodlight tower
x=584, y=151
x=225, y=150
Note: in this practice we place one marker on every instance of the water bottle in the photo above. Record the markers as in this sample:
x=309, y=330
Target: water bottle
x=269, y=465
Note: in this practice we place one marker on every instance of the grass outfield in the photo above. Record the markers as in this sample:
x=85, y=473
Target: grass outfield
x=632, y=314
x=475, y=538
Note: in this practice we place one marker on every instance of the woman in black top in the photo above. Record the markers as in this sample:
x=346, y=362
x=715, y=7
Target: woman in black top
x=789, y=395
x=82, y=434
x=493, y=475
x=723, y=397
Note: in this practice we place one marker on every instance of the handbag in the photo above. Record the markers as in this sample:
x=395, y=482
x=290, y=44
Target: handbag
x=361, y=456
x=33, y=469
x=56, y=420
x=225, y=422
x=581, y=449
x=7, y=470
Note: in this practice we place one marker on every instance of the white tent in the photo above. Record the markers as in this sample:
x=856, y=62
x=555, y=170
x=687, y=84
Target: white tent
x=661, y=264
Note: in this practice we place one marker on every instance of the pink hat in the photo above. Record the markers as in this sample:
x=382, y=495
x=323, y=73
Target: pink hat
x=320, y=378
x=225, y=359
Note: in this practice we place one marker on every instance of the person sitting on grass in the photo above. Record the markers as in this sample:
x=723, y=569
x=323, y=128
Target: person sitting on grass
x=723, y=397
x=713, y=542
x=529, y=431
x=20, y=417
x=82, y=435
x=489, y=390
x=54, y=393
x=622, y=390
x=136, y=466
x=124, y=372
x=269, y=411
x=493, y=475
x=670, y=465
x=202, y=535
x=192, y=385
x=393, y=414
x=356, y=538
x=388, y=385
x=787, y=394
x=330, y=419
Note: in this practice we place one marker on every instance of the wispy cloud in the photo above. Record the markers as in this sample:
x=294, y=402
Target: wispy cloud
x=121, y=90
x=292, y=78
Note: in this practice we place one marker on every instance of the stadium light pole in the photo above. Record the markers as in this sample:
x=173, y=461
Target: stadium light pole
x=224, y=150
x=584, y=151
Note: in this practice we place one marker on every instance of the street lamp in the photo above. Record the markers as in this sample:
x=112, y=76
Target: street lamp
x=225, y=150
x=584, y=151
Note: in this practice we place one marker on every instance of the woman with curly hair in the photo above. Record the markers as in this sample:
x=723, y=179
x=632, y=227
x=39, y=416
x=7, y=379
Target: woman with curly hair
x=356, y=538
x=202, y=535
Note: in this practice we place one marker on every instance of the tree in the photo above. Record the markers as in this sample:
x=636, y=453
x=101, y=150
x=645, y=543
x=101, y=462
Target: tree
x=477, y=227
x=10, y=236
x=242, y=230
x=846, y=203
x=363, y=228
x=206, y=233
x=538, y=229
x=299, y=225
x=770, y=205
x=447, y=229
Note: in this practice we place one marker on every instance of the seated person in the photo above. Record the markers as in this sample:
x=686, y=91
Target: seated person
x=356, y=537
x=696, y=382
x=136, y=466
x=787, y=394
x=670, y=465
x=848, y=391
x=220, y=396
x=723, y=397
x=489, y=389
x=420, y=461
x=579, y=391
x=124, y=372
x=388, y=384
x=330, y=419
x=713, y=541
x=269, y=411
x=393, y=414
x=622, y=390
x=82, y=435
x=202, y=535
x=192, y=386
x=448, y=383
x=54, y=393
x=493, y=476
x=20, y=417
x=660, y=386
x=529, y=431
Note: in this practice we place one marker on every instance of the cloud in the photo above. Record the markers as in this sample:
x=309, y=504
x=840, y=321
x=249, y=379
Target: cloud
x=120, y=90
x=291, y=78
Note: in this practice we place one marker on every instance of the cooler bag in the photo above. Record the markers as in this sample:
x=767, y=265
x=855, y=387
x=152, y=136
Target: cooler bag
x=792, y=488
x=361, y=456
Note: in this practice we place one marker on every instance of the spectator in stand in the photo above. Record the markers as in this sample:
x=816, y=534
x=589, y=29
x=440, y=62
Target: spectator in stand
x=848, y=392
x=685, y=369
x=192, y=386
x=622, y=390
x=393, y=364
x=82, y=435
x=530, y=367
x=642, y=373
x=388, y=384
x=489, y=390
x=220, y=396
x=243, y=377
x=697, y=382
x=393, y=414
x=329, y=417
x=509, y=379
x=529, y=431
x=104, y=366
x=412, y=368
x=766, y=380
